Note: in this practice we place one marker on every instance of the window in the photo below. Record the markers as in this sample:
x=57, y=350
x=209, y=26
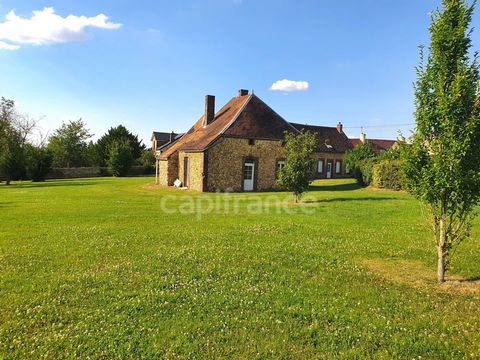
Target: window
x=280, y=166
x=347, y=169
x=251, y=141
x=320, y=166
x=338, y=167
x=248, y=170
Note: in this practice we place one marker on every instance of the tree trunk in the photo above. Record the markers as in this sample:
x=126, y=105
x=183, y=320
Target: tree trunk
x=441, y=251
x=7, y=182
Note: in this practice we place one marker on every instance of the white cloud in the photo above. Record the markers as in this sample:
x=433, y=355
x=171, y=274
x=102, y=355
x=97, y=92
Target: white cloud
x=5, y=46
x=46, y=27
x=289, y=85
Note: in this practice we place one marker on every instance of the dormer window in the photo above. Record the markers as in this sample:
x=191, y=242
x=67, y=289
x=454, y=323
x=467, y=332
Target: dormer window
x=327, y=144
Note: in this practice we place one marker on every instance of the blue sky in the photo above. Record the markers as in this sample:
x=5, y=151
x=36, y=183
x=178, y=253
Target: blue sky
x=152, y=73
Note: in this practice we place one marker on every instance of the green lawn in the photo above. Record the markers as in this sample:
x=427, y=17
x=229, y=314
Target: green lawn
x=94, y=268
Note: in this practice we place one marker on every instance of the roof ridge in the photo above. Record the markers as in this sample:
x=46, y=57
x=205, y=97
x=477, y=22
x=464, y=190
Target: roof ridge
x=281, y=117
x=250, y=96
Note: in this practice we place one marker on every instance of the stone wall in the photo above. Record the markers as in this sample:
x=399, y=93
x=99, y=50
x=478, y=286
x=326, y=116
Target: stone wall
x=163, y=172
x=87, y=172
x=168, y=170
x=196, y=173
x=226, y=159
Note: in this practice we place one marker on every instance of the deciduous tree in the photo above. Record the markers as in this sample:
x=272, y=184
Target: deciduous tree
x=442, y=164
x=12, y=165
x=296, y=175
x=68, y=144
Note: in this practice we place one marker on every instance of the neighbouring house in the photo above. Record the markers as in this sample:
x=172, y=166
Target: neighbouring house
x=379, y=145
x=239, y=148
x=162, y=140
x=332, y=145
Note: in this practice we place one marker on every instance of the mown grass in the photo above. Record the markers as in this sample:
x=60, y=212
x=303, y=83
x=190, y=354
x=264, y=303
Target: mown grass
x=93, y=268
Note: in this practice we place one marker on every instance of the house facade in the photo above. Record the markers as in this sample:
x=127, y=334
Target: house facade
x=239, y=148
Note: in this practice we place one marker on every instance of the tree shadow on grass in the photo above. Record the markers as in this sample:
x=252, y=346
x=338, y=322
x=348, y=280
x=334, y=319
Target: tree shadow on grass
x=49, y=183
x=336, y=187
x=344, y=199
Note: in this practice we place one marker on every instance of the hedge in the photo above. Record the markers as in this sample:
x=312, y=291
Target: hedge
x=387, y=174
x=363, y=171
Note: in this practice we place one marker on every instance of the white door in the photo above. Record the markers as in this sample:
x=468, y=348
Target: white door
x=329, y=170
x=248, y=175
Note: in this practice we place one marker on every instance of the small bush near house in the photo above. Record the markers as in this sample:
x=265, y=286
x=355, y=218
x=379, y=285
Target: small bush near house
x=387, y=174
x=120, y=158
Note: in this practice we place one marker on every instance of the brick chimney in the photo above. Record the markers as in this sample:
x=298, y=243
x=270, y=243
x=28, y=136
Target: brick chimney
x=340, y=127
x=242, y=92
x=209, y=110
x=363, y=137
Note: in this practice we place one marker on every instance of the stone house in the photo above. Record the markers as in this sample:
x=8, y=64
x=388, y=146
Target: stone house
x=239, y=148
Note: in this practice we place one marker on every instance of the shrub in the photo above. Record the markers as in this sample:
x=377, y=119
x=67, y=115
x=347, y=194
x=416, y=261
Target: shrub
x=360, y=159
x=387, y=174
x=363, y=171
x=120, y=158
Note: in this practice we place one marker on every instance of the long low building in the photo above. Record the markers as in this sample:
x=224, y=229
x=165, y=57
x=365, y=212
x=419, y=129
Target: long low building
x=239, y=148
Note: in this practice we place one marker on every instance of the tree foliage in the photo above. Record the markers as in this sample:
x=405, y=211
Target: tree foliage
x=68, y=144
x=12, y=166
x=118, y=133
x=360, y=161
x=442, y=163
x=38, y=160
x=147, y=160
x=120, y=157
x=296, y=175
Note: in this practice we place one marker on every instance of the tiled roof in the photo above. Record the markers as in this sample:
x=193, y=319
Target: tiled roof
x=161, y=136
x=258, y=120
x=378, y=144
x=329, y=138
x=164, y=139
x=242, y=116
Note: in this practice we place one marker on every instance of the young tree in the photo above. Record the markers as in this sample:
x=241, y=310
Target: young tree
x=118, y=133
x=441, y=165
x=68, y=144
x=120, y=157
x=296, y=175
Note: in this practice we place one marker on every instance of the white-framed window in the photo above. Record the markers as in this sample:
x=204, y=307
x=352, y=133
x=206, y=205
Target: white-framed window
x=338, y=167
x=320, y=166
x=347, y=169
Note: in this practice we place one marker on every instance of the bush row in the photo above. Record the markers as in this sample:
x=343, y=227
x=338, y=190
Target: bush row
x=384, y=174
